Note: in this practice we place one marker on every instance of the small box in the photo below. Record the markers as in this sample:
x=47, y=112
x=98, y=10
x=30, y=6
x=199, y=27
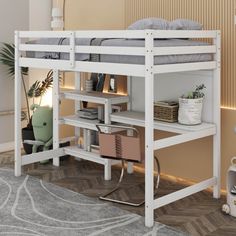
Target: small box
x=166, y=111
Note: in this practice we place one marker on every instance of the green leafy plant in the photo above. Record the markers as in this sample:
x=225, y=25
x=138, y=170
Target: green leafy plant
x=7, y=58
x=197, y=93
x=38, y=88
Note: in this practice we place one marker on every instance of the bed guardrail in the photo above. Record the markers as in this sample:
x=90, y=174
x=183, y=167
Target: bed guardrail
x=149, y=50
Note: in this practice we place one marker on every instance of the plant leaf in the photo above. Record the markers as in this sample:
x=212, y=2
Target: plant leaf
x=39, y=88
x=7, y=58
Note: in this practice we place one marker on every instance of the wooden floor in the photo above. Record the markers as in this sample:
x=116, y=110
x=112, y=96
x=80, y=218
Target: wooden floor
x=198, y=214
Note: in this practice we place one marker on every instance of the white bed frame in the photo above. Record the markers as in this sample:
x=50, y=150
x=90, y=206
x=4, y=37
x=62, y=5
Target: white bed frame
x=146, y=71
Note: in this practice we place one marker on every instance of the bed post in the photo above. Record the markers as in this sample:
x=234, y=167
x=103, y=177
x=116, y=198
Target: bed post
x=17, y=107
x=149, y=123
x=55, y=103
x=216, y=117
x=77, y=107
x=107, y=120
x=130, y=168
x=77, y=103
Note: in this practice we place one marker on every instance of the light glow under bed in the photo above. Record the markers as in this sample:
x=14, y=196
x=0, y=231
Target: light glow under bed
x=158, y=60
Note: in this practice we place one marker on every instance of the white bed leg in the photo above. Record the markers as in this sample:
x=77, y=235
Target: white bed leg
x=85, y=136
x=107, y=167
x=107, y=170
x=130, y=165
x=55, y=97
x=149, y=125
x=216, y=118
x=130, y=168
x=77, y=107
x=129, y=91
x=17, y=108
x=77, y=103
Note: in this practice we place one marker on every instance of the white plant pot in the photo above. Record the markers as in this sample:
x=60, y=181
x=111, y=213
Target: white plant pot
x=190, y=111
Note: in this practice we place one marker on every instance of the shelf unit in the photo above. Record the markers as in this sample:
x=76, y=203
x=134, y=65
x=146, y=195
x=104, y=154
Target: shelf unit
x=138, y=119
x=75, y=121
x=149, y=72
x=106, y=99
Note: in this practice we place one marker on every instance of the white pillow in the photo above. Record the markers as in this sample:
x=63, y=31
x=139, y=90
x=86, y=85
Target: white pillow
x=150, y=23
x=185, y=24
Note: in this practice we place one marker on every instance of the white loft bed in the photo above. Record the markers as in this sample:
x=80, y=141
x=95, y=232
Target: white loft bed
x=149, y=72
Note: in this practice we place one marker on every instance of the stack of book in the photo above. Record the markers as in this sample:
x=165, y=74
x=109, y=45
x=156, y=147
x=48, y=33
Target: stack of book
x=90, y=113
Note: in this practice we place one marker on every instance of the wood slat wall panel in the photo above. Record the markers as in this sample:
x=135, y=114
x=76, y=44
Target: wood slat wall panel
x=213, y=14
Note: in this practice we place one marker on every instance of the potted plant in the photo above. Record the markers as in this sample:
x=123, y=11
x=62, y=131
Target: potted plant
x=190, y=106
x=37, y=90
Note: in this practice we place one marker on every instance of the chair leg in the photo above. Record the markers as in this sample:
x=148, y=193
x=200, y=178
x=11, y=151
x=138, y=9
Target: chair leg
x=105, y=198
x=157, y=179
x=156, y=185
x=119, y=182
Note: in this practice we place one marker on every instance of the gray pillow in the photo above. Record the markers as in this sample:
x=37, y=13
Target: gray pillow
x=185, y=24
x=150, y=23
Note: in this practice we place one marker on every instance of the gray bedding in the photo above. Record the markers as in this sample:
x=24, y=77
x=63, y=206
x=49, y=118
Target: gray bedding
x=158, y=60
x=56, y=41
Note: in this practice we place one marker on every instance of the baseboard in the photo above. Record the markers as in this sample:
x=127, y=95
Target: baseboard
x=6, y=147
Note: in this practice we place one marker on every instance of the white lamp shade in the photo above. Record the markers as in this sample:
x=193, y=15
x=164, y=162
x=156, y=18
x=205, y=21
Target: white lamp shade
x=57, y=18
x=57, y=24
x=57, y=12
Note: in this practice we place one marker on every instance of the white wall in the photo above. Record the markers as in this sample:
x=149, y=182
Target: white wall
x=14, y=15
x=40, y=19
x=40, y=14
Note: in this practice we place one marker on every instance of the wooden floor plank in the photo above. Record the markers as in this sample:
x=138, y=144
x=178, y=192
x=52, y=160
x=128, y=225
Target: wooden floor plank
x=198, y=214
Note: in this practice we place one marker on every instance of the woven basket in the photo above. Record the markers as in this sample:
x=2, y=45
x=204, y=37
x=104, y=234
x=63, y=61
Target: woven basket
x=166, y=111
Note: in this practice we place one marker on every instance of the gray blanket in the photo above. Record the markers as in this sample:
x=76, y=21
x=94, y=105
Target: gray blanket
x=158, y=60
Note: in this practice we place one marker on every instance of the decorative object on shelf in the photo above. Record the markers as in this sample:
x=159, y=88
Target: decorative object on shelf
x=88, y=85
x=166, y=111
x=100, y=84
x=230, y=207
x=90, y=113
x=112, y=84
x=80, y=142
x=116, y=108
x=190, y=107
x=94, y=79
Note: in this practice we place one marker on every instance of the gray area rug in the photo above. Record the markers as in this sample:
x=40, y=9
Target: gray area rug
x=29, y=206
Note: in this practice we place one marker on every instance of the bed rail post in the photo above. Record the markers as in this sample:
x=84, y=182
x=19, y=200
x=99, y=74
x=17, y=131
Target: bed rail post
x=149, y=124
x=130, y=168
x=72, y=49
x=107, y=120
x=77, y=107
x=216, y=117
x=18, y=163
x=55, y=102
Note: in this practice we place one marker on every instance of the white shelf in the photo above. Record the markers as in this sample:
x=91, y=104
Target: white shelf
x=95, y=97
x=81, y=153
x=138, y=119
x=76, y=121
x=89, y=156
